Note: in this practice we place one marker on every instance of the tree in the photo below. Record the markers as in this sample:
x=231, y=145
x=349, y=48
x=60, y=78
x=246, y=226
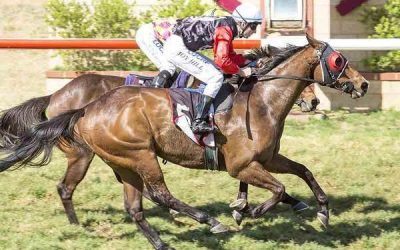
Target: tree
x=109, y=19
x=103, y=19
x=385, y=21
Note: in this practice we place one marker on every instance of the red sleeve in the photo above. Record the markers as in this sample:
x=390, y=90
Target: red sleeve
x=238, y=59
x=224, y=56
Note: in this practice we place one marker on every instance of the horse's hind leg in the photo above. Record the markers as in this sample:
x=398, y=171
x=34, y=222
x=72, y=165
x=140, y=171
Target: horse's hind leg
x=281, y=164
x=133, y=189
x=78, y=164
x=154, y=180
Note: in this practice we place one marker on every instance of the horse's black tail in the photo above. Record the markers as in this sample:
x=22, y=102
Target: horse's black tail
x=16, y=121
x=41, y=139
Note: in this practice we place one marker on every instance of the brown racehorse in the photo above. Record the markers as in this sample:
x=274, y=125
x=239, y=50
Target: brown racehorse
x=129, y=127
x=88, y=87
x=77, y=94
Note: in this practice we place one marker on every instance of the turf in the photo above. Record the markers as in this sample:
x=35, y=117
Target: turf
x=353, y=156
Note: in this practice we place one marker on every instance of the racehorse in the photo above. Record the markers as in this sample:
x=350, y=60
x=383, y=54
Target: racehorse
x=129, y=127
x=76, y=94
x=87, y=88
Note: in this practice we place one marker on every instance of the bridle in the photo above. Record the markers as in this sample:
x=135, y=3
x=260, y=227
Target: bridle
x=333, y=65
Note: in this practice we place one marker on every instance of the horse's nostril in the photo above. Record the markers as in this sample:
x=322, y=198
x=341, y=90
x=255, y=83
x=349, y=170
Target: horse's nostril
x=364, y=86
x=315, y=102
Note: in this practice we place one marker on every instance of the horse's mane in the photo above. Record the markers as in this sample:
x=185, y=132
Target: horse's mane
x=273, y=56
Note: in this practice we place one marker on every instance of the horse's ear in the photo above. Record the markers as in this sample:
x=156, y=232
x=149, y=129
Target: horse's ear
x=313, y=42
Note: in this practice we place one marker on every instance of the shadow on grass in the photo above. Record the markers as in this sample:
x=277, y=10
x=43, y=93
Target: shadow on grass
x=292, y=230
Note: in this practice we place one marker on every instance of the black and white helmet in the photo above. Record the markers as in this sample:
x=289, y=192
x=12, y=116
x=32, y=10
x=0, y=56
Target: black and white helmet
x=248, y=13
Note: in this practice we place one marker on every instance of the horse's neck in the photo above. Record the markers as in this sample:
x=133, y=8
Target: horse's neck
x=278, y=96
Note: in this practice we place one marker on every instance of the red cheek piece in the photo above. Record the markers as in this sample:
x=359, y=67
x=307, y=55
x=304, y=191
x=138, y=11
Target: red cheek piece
x=335, y=62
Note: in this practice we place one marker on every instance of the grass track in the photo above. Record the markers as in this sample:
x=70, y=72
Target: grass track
x=353, y=156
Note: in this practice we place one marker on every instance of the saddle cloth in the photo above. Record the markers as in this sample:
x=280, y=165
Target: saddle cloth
x=184, y=103
x=138, y=80
x=146, y=81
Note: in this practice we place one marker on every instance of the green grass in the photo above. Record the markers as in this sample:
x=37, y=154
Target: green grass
x=353, y=156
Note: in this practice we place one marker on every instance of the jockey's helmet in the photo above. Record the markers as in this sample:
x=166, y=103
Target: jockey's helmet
x=248, y=13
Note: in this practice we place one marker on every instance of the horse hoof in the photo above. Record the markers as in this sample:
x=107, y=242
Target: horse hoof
x=324, y=219
x=220, y=228
x=164, y=247
x=238, y=204
x=173, y=213
x=237, y=216
x=300, y=206
x=73, y=221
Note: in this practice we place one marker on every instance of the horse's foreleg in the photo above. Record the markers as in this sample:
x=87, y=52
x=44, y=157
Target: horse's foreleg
x=281, y=164
x=78, y=164
x=241, y=206
x=256, y=175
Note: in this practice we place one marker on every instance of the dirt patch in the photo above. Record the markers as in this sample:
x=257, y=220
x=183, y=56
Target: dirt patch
x=22, y=72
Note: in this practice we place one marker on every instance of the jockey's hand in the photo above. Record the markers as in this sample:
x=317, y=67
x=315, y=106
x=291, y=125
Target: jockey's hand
x=245, y=72
x=252, y=64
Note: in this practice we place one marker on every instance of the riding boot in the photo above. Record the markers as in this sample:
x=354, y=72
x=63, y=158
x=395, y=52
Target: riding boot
x=161, y=80
x=201, y=124
x=171, y=80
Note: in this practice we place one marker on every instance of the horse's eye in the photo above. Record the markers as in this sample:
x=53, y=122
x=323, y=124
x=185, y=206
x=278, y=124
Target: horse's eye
x=338, y=61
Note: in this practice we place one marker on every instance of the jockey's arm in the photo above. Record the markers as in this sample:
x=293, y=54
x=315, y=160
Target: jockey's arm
x=224, y=55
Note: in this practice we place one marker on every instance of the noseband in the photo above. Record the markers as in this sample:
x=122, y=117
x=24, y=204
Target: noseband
x=333, y=65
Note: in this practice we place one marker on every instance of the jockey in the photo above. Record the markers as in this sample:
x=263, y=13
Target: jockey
x=181, y=40
x=150, y=38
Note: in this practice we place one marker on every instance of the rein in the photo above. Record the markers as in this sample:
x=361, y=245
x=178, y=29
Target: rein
x=266, y=78
x=330, y=78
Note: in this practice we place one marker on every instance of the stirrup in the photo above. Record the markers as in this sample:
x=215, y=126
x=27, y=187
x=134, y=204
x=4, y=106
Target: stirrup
x=202, y=127
x=161, y=80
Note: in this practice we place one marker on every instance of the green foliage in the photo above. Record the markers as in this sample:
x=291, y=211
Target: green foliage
x=109, y=19
x=385, y=22
x=105, y=19
x=182, y=8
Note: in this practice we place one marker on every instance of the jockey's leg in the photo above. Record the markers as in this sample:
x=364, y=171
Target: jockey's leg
x=200, y=124
x=153, y=48
x=203, y=69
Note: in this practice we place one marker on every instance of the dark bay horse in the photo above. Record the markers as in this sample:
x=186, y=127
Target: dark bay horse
x=129, y=127
x=76, y=94
x=88, y=87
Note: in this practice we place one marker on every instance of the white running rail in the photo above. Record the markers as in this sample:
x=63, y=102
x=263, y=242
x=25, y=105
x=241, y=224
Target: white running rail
x=339, y=44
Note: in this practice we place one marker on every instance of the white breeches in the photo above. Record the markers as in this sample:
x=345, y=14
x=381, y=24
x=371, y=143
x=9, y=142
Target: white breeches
x=153, y=48
x=193, y=63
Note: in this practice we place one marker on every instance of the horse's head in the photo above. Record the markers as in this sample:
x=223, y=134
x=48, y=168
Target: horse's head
x=308, y=101
x=334, y=70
